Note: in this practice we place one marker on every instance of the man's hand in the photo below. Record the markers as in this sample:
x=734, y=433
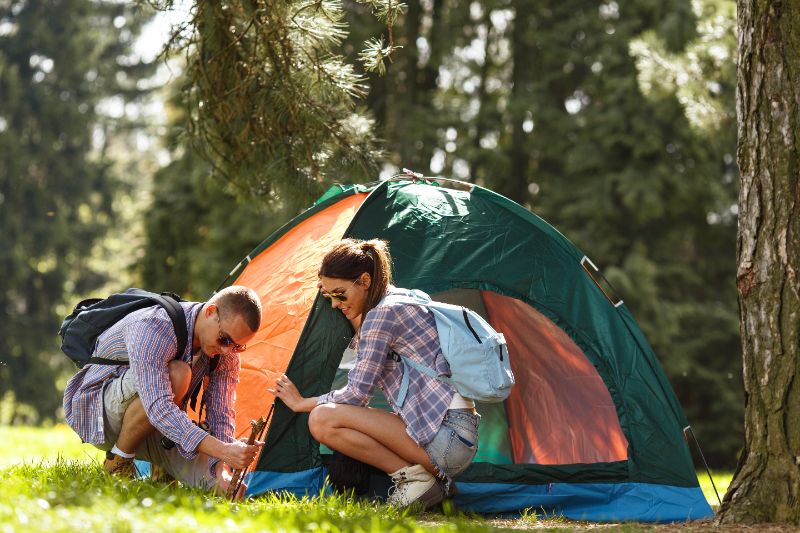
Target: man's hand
x=224, y=478
x=238, y=454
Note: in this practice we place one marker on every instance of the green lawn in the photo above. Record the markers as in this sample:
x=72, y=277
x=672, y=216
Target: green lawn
x=49, y=481
x=721, y=481
x=33, y=445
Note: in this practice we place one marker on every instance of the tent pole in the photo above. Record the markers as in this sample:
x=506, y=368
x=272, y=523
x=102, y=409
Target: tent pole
x=708, y=471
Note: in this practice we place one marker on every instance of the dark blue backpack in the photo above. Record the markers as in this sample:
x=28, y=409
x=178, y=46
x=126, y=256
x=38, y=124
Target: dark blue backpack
x=79, y=331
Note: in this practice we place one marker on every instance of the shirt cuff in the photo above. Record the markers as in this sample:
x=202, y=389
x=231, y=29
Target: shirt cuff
x=325, y=398
x=188, y=445
x=212, y=465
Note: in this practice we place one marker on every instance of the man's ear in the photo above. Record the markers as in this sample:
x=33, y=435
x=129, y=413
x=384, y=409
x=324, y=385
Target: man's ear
x=210, y=309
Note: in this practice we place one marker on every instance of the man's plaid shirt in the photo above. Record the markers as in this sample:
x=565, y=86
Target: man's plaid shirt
x=409, y=330
x=147, y=339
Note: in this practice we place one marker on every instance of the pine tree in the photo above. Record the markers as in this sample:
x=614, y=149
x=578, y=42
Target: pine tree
x=272, y=106
x=197, y=227
x=58, y=60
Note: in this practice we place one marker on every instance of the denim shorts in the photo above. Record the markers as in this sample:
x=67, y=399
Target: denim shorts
x=455, y=444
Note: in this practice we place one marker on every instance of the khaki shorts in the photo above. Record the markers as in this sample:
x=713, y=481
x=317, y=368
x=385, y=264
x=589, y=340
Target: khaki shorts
x=118, y=394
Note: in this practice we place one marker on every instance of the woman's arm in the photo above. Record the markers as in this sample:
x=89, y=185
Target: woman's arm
x=377, y=334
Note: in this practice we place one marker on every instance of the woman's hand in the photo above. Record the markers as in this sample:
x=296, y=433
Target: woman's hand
x=288, y=393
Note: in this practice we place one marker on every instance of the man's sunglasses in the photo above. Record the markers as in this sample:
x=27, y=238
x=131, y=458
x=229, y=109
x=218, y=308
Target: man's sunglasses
x=225, y=340
x=339, y=296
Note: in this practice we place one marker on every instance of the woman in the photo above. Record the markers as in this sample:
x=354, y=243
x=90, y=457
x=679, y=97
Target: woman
x=433, y=435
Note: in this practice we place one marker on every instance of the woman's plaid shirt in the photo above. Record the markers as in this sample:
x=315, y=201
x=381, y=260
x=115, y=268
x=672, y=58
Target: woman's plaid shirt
x=409, y=330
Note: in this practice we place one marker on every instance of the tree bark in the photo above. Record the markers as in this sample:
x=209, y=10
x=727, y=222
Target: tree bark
x=524, y=57
x=483, y=96
x=766, y=486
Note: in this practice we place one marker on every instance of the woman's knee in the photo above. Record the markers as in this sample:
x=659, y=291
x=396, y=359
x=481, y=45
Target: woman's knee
x=180, y=374
x=320, y=422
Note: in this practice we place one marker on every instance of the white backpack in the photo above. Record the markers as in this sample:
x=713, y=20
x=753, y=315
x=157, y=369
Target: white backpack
x=477, y=354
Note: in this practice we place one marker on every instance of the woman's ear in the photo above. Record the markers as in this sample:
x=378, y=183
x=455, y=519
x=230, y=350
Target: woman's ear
x=365, y=280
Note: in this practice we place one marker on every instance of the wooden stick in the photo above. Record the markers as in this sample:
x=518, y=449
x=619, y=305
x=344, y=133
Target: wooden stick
x=238, y=474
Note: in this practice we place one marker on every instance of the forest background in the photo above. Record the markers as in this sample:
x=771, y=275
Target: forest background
x=613, y=120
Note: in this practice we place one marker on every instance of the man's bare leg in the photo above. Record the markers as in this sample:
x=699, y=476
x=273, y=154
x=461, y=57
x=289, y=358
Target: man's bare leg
x=135, y=425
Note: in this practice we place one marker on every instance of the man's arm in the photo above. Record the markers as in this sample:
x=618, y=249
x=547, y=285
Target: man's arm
x=219, y=399
x=151, y=345
x=236, y=454
x=220, y=395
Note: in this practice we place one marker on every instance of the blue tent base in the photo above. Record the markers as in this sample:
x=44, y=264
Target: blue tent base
x=142, y=468
x=304, y=483
x=594, y=502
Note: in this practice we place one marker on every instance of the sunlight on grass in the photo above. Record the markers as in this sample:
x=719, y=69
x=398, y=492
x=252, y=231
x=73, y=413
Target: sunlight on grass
x=28, y=444
x=50, y=481
x=721, y=480
x=69, y=495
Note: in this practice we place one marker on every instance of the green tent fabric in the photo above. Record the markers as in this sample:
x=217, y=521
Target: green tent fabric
x=592, y=409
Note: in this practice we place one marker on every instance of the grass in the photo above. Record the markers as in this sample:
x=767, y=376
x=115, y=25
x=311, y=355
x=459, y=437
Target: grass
x=49, y=481
x=67, y=495
x=20, y=445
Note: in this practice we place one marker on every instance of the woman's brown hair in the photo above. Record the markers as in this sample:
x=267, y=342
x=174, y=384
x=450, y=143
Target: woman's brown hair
x=349, y=258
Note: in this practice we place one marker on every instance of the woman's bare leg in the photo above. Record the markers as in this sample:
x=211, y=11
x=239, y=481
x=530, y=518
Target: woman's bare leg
x=373, y=436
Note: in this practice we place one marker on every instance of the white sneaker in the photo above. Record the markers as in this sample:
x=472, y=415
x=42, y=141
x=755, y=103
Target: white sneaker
x=414, y=484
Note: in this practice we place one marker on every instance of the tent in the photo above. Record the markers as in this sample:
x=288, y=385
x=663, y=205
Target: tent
x=592, y=429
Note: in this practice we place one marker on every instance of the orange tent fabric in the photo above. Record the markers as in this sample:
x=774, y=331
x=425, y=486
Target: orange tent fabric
x=560, y=411
x=287, y=290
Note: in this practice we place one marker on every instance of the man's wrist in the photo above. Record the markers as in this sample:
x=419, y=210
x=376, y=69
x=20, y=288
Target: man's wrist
x=212, y=447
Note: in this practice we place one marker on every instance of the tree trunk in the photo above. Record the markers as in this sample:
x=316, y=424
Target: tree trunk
x=416, y=116
x=524, y=57
x=409, y=91
x=483, y=96
x=766, y=486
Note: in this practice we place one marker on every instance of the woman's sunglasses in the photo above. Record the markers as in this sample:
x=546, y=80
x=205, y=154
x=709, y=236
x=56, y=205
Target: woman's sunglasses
x=339, y=296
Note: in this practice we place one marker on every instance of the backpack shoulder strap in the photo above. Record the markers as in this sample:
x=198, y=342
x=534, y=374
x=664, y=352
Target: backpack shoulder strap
x=170, y=303
x=411, y=297
x=428, y=371
x=212, y=365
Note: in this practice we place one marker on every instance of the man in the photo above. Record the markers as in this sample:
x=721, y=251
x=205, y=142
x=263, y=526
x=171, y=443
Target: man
x=127, y=409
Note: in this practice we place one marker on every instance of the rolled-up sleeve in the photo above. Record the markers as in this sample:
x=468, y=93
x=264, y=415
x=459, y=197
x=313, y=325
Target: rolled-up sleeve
x=377, y=336
x=221, y=396
x=151, y=345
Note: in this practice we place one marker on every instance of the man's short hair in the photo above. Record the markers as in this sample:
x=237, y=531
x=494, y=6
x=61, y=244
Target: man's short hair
x=242, y=301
